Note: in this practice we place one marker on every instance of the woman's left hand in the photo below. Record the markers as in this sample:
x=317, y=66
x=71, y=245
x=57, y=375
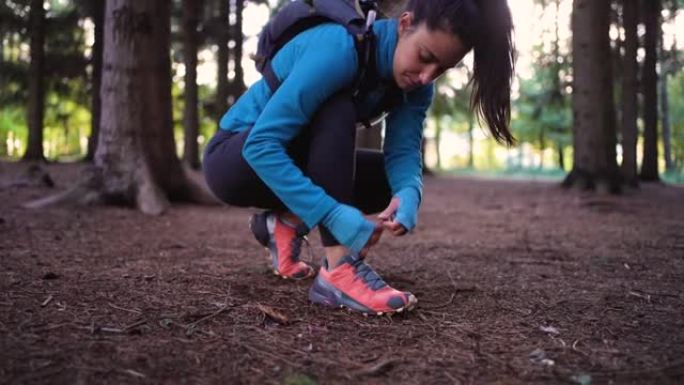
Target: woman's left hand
x=388, y=218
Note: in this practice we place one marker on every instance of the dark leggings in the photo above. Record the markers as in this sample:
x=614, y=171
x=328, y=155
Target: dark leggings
x=325, y=151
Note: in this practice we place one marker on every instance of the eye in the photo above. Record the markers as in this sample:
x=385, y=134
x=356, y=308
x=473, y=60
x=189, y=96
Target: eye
x=425, y=57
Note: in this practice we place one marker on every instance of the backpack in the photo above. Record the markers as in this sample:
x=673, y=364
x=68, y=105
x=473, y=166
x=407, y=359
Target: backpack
x=357, y=16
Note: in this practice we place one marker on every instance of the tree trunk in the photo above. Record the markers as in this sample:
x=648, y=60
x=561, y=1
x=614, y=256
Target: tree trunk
x=665, y=64
x=561, y=156
x=96, y=80
x=471, y=140
x=191, y=16
x=630, y=73
x=221, y=103
x=594, y=164
x=649, y=165
x=542, y=146
x=438, y=142
x=237, y=83
x=136, y=150
x=36, y=84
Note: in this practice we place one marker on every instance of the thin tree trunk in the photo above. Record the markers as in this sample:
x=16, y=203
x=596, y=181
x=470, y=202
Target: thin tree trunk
x=471, y=141
x=594, y=139
x=630, y=73
x=191, y=16
x=438, y=141
x=561, y=156
x=665, y=105
x=2, y=45
x=96, y=60
x=36, y=84
x=542, y=146
x=649, y=166
x=222, y=90
x=237, y=83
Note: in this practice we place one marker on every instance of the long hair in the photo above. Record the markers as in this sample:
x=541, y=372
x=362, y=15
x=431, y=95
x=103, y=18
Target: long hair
x=486, y=26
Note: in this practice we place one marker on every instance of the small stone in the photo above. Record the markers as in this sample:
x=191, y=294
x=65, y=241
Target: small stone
x=50, y=275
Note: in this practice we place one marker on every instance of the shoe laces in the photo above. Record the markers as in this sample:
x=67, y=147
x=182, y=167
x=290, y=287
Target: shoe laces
x=297, y=247
x=364, y=271
x=296, y=242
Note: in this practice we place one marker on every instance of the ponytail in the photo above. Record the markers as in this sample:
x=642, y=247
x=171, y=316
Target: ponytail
x=485, y=26
x=494, y=66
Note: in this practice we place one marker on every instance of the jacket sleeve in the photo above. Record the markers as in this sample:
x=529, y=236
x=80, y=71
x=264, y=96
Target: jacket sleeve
x=403, y=161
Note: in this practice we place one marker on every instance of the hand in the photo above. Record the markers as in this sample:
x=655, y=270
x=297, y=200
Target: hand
x=388, y=218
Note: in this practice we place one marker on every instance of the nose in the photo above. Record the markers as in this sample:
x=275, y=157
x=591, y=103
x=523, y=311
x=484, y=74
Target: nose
x=428, y=74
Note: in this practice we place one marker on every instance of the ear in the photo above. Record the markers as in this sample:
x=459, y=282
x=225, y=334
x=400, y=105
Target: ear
x=405, y=22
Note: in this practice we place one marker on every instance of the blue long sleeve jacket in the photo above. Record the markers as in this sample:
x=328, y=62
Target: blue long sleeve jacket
x=313, y=66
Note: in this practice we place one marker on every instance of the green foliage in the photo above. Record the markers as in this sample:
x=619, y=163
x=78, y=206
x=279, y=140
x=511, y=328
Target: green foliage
x=67, y=95
x=12, y=127
x=676, y=94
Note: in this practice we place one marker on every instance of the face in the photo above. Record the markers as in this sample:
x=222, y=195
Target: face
x=423, y=55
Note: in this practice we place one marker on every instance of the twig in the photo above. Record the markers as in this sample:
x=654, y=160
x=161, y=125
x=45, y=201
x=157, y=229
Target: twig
x=379, y=368
x=47, y=301
x=124, y=309
x=647, y=297
x=212, y=315
x=135, y=324
x=456, y=287
x=134, y=373
x=447, y=303
x=286, y=360
x=92, y=328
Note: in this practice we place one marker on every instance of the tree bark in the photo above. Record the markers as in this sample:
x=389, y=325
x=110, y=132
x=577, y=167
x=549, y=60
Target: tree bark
x=665, y=70
x=96, y=80
x=471, y=140
x=649, y=165
x=136, y=150
x=221, y=102
x=438, y=143
x=630, y=73
x=237, y=83
x=191, y=16
x=561, y=155
x=594, y=165
x=36, y=83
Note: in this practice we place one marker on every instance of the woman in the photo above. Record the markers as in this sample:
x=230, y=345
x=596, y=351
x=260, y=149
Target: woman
x=292, y=151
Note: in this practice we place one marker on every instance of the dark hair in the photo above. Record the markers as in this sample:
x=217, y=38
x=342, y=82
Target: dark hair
x=485, y=26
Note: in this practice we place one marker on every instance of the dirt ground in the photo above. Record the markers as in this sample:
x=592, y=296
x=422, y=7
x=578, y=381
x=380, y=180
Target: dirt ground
x=519, y=282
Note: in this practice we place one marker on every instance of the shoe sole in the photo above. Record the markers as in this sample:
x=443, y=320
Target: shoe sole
x=325, y=294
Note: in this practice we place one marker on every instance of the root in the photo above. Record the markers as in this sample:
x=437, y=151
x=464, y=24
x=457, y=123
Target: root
x=88, y=191
x=34, y=176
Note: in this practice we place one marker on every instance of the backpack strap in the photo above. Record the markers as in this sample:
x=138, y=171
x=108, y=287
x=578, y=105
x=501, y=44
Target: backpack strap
x=309, y=13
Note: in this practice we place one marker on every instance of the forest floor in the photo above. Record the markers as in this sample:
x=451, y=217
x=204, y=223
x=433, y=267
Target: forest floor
x=519, y=282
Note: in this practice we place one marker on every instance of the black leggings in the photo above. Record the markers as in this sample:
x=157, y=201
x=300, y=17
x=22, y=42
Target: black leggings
x=325, y=151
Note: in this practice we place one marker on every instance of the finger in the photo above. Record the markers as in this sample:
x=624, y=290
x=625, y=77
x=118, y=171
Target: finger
x=390, y=210
x=400, y=231
x=395, y=228
x=390, y=226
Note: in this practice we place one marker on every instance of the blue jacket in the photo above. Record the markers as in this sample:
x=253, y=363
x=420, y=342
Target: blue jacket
x=313, y=66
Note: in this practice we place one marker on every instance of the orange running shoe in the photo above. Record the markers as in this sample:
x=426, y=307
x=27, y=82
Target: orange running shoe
x=284, y=243
x=355, y=285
